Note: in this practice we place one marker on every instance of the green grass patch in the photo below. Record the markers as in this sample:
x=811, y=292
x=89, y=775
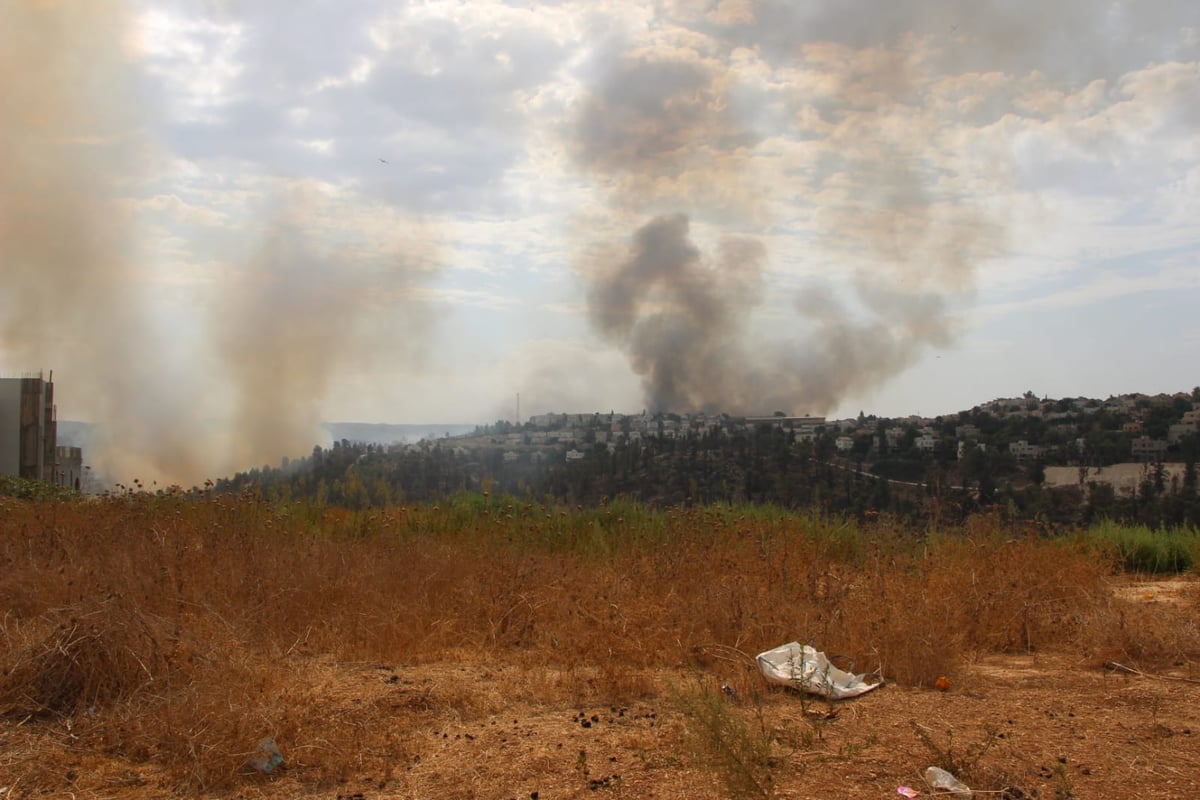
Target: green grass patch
x=1137, y=548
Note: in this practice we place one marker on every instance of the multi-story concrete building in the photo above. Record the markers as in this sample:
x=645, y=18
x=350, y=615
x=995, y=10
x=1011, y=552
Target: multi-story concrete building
x=966, y=432
x=1024, y=451
x=28, y=429
x=1146, y=449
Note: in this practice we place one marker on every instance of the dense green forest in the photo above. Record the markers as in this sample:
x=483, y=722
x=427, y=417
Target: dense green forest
x=763, y=465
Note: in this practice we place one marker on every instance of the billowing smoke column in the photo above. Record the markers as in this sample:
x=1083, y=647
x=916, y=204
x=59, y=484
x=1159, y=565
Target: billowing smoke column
x=682, y=321
x=281, y=337
x=852, y=100
x=303, y=314
x=75, y=266
x=661, y=128
x=676, y=316
x=71, y=138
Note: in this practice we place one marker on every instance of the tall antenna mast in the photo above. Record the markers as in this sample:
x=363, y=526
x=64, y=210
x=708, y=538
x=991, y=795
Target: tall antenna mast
x=518, y=408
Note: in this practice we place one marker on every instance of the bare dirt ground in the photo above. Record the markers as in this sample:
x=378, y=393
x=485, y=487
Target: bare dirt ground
x=1053, y=726
x=1125, y=478
x=1176, y=591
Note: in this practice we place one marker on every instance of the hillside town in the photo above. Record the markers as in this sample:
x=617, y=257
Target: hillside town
x=1022, y=430
x=1022, y=439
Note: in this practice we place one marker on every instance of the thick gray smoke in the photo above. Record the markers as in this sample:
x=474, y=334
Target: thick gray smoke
x=682, y=321
x=662, y=126
x=671, y=131
x=677, y=316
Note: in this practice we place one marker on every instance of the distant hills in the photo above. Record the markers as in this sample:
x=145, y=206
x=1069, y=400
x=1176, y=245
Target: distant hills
x=72, y=433
x=75, y=434
x=994, y=457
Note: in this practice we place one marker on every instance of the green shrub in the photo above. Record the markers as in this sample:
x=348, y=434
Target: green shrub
x=23, y=489
x=1137, y=548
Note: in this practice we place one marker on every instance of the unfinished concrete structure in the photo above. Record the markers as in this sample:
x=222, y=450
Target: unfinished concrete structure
x=68, y=467
x=28, y=428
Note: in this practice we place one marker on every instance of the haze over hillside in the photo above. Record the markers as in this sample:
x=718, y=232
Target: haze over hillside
x=72, y=433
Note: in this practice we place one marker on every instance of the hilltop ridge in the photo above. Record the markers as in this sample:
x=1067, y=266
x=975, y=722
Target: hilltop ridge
x=995, y=453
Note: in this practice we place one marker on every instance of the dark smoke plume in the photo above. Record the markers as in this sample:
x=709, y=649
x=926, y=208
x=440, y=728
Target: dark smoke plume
x=670, y=133
x=682, y=321
x=676, y=316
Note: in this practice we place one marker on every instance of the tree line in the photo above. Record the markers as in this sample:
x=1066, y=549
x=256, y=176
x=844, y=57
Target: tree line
x=764, y=465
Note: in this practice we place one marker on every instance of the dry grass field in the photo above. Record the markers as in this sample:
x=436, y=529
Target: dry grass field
x=495, y=649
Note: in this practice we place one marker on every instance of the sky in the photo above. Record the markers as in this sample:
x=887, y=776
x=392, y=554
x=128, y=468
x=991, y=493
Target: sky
x=223, y=221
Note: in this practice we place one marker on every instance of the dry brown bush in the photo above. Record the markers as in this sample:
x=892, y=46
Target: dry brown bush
x=79, y=658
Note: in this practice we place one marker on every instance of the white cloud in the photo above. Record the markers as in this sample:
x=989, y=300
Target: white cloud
x=182, y=211
x=197, y=60
x=1099, y=286
x=323, y=146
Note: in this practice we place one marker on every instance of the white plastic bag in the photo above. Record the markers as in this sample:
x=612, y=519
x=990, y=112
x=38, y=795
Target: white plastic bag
x=805, y=668
x=943, y=782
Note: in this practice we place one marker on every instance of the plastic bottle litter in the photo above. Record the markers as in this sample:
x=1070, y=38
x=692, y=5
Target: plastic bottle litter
x=266, y=756
x=942, y=781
